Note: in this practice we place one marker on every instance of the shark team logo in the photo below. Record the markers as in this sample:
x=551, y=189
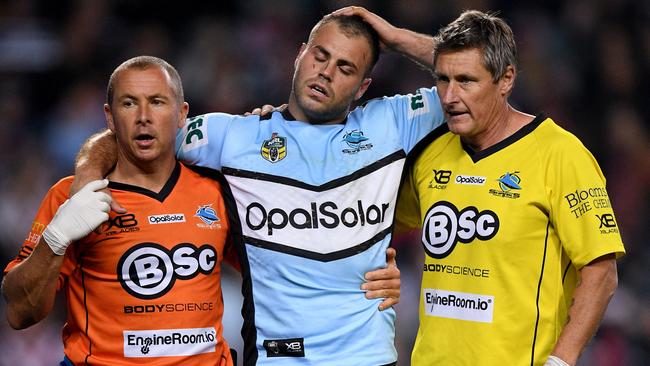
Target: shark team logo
x=508, y=184
x=355, y=142
x=275, y=148
x=208, y=215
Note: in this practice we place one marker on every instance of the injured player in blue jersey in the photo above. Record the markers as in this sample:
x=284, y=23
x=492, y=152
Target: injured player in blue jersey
x=312, y=191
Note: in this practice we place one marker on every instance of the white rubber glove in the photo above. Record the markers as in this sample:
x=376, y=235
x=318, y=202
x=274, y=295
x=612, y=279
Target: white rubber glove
x=78, y=216
x=555, y=361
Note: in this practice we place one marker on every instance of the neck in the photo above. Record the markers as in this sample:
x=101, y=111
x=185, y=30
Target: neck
x=151, y=175
x=503, y=124
x=300, y=115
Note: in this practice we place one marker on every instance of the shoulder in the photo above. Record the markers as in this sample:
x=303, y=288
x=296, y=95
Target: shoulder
x=555, y=140
x=62, y=187
x=202, y=173
x=433, y=143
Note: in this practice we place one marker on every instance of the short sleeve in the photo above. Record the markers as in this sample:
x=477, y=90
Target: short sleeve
x=416, y=115
x=581, y=207
x=56, y=196
x=200, y=142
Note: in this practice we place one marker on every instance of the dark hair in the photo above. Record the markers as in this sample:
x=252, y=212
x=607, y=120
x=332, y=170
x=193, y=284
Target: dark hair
x=143, y=63
x=353, y=26
x=487, y=32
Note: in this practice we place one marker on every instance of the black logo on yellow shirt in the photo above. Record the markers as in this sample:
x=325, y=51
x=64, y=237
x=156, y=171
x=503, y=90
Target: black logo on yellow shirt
x=440, y=179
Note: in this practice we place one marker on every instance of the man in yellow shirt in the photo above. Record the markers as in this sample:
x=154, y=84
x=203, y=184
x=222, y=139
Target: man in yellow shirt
x=520, y=237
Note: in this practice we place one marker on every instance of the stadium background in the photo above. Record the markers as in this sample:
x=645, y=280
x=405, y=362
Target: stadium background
x=585, y=63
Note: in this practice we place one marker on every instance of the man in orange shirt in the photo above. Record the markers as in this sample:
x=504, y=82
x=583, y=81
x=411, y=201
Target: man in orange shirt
x=142, y=287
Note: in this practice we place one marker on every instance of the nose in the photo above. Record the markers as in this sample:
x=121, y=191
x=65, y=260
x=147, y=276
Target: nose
x=327, y=70
x=144, y=113
x=448, y=93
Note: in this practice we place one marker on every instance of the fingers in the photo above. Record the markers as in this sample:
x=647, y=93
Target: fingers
x=104, y=195
x=265, y=109
x=389, y=302
x=381, y=288
x=117, y=208
x=390, y=295
x=256, y=111
x=95, y=185
x=348, y=11
x=391, y=255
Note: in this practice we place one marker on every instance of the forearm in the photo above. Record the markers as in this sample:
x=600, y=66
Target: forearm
x=30, y=288
x=597, y=285
x=96, y=158
x=416, y=46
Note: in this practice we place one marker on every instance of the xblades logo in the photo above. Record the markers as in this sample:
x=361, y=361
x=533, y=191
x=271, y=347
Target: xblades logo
x=606, y=220
x=121, y=221
x=125, y=223
x=444, y=226
x=440, y=179
x=441, y=176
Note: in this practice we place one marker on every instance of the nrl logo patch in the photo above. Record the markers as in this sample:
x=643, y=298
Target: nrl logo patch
x=275, y=148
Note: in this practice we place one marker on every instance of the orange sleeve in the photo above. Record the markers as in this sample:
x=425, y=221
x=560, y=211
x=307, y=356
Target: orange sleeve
x=57, y=194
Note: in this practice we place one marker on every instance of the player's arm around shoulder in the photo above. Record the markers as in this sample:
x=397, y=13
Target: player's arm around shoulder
x=201, y=140
x=30, y=282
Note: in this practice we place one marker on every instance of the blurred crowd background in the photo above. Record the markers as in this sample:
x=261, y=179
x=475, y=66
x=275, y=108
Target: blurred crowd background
x=586, y=63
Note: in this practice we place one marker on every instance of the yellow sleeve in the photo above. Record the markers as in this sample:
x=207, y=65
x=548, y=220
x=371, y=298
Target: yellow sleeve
x=581, y=208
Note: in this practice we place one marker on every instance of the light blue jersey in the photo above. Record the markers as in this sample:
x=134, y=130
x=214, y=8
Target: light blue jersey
x=315, y=204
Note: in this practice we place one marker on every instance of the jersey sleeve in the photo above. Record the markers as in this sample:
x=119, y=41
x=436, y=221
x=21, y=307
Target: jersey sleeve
x=200, y=142
x=581, y=208
x=53, y=199
x=416, y=115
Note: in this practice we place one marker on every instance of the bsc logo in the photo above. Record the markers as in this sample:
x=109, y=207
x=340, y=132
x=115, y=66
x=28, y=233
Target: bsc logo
x=275, y=148
x=149, y=270
x=444, y=226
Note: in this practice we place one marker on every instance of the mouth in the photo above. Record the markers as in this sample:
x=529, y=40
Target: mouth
x=453, y=113
x=318, y=89
x=144, y=139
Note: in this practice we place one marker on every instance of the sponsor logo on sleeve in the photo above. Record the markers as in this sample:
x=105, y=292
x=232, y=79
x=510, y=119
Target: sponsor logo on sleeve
x=418, y=106
x=196, y=134
x=35, y=233
x=582, y=201
x=169, y=342
x=458, y=305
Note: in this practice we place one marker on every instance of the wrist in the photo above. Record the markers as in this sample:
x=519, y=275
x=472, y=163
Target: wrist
x=56, y=240
x=555, y=361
